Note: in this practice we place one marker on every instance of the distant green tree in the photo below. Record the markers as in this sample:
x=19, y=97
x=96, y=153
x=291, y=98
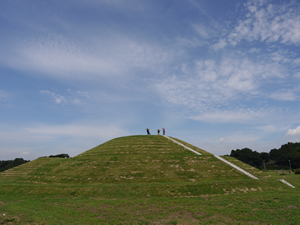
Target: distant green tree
x=248, y=156
x=7, y=164
x=265, y=156
x=274, y=154
x=287, y=153
x=60, y=156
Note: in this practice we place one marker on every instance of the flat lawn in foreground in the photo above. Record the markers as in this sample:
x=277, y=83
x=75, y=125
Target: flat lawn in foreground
x=272, y=207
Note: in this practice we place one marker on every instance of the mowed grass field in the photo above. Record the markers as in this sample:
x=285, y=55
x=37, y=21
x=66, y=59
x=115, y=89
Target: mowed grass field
x=145, y=180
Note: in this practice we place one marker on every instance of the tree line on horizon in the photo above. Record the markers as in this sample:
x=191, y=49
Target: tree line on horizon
x=8, y=164
x=288, y=155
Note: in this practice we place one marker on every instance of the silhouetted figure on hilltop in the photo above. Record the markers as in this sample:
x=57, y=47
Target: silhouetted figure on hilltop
x=148, y=131
x=158, y=130
x=164, y=130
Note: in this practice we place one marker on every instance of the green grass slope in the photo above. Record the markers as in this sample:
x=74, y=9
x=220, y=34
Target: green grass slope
x=133, y=166
x=144, y=180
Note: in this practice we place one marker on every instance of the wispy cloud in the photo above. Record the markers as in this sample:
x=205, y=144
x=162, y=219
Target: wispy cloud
x=297, y=75
x=58, y=56
x=134, y=5
x=268, y=21
x=77, y=130
x=4, y=96
x=210, y=83
x=236, y=65
x=296, y=61
x=271, y=128
x=235, y=116
x=235, y=140
x=61, y=57
x=41, y=139
x=189, y=42
x=284, y=95
x=58, y=99
x=203, y=31
x=220, y=45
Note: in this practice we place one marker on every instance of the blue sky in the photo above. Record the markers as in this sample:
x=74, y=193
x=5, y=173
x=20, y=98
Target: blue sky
x=218, y=74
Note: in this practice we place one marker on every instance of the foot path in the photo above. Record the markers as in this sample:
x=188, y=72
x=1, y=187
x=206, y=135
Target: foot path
x=225, y=161
x=188, y=148
x=218, y=157
x=229, y=163
x=287, y=183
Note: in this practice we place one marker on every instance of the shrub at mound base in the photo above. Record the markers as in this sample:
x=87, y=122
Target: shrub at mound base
x=297, y=171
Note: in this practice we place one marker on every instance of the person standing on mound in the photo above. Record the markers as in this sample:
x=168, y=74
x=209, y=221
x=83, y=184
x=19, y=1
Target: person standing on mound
x=158, y=130
x=164, y=130
x=148, y=131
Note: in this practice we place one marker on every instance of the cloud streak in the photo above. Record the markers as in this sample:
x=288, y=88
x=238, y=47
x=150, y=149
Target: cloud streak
x=4, y=96
x=59, y=99
x=268, y=22
x=38, y=140
x=208, y=85
x=60, y=57
x=75, y=131
x=238, y=116
x=189, y=65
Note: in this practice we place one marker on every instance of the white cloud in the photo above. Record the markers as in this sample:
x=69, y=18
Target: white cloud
x=291, y=94
x=284, y=95
x=268, y=22
x=280, y=57
x=203, y=31
x=18, y=152
x=70, y=97
x=61, y=57
x=19, y=135
x=75, y=131
x=242, y=137
x=297, y=75
x=268, y=128
x=293, y=132
x=58, y=99
x=231, y=141
x=83, y=94
x=25, y=153
x=119, y=4
x=222, y=43
x=296, y=61
x=4, y=96
x=189, y=42
x=44, y=139
x=272, y=128
x=225, y=116
x=208, y=83
x=199, y=7
x=255, y=50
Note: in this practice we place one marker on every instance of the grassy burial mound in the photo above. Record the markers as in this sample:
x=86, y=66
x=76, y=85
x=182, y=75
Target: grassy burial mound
x=133, y=166
x=144, y=180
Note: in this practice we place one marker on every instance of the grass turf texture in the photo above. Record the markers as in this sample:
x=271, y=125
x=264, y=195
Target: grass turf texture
x=144, y=180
